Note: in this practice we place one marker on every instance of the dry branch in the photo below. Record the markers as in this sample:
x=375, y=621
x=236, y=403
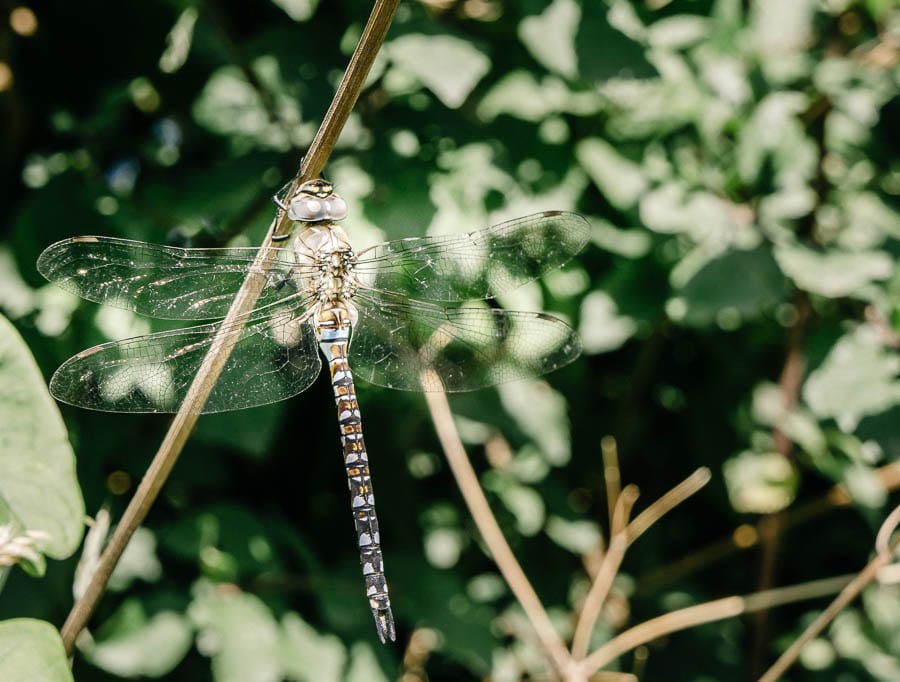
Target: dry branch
x=186, y=417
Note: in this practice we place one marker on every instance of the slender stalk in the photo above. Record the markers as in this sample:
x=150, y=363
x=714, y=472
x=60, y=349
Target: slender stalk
x=847, y=595
x=708, y=612
x=623, y=534
x=612, y=474
x=746, y=537
x=246, y=297
x=490, y=531
x=593, y=603
x=667, y=503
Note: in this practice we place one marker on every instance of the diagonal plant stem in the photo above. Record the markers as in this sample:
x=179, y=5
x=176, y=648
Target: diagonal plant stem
x=623, y=533
x=186, y=417
x=708, y=612
x=490, y=531
x=885, y=553
x=603, y=581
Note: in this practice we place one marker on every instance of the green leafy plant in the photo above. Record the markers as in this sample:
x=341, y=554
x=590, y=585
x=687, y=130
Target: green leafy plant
x=738, y=308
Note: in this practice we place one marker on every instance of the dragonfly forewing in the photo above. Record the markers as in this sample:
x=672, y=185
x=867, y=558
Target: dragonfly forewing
x=474, y=265
x=164, y=282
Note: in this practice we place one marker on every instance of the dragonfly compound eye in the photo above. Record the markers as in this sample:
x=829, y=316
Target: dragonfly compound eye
x=336, y=207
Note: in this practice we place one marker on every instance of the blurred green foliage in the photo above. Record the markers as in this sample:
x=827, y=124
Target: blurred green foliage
x=739, y=305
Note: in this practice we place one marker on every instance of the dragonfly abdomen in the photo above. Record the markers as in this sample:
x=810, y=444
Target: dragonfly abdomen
x=333, y=341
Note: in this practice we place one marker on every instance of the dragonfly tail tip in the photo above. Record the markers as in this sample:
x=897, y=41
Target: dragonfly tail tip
x=384, y=623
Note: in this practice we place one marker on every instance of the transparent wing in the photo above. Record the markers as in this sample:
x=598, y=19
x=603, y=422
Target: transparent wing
x=468, y=347
x=165, y=282
x=474, y=265
x=275, y=357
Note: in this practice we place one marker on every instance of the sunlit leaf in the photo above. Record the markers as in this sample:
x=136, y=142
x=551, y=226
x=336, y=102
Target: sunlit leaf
x=298, y=10
x=833, y=273
x=602, y=328
x=858, y=377
x=677, y=32
x=760, y=483
x=540, y=412
x=308, y=656
x=520, y=94
x=550, y=36
x=363, y=665
x=140, y=644
x=579, y=537
x=448, y=66
x=32, y=650
x=238, y=632
x=618, y=178
x=37, y=463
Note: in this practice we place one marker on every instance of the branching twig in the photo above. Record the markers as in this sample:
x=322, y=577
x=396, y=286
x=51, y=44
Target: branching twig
x=667, y=503
x=490, y=531
x=849, y=593
x=221, y=347
x=612, y=475
x=593, y=603
x=709, y=612
x=622, y=535
x=746, y=536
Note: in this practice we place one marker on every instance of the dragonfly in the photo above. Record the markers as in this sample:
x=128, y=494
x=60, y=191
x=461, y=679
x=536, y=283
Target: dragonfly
x=416, y=314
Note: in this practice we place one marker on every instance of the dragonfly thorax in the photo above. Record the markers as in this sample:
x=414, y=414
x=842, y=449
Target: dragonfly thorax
x=327, y=263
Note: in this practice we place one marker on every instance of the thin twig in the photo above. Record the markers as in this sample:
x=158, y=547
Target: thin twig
x=746, y=536
x=612, y=474
x=847, y=595
x=221, y=347
x=490, y=531
x=667, y=503
x=708, y=612
x=624, y=534
x=596, y=596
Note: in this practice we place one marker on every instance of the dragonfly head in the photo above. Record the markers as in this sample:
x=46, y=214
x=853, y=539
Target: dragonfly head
x=316, y=201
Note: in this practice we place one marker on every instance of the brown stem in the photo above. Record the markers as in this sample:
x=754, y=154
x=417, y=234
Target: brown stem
x=771, y=527
x=708, y=612
x=746, y=536
x=623, y=533
x=490, y=531
x=244, y=300
x=848, y=594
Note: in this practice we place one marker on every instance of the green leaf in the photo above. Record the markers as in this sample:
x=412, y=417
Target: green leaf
x=602, y=328
x=138, y=645
x=363, y=665
x=239, y=633
x=521, y=95
x=249, y=431
x=833, y=273
x=678, y=32
x=231, y=106
x=737, y=285
x=298, y=10
x=448, y=66
x=523, y=502
x=760, y=483
x=540, y=412
x=579, y=537
x=32, y=650
x=37, y=465
x=857, y=378
x=619, y=179
x=226, y=539
x=550, y=37
x=308, y=656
